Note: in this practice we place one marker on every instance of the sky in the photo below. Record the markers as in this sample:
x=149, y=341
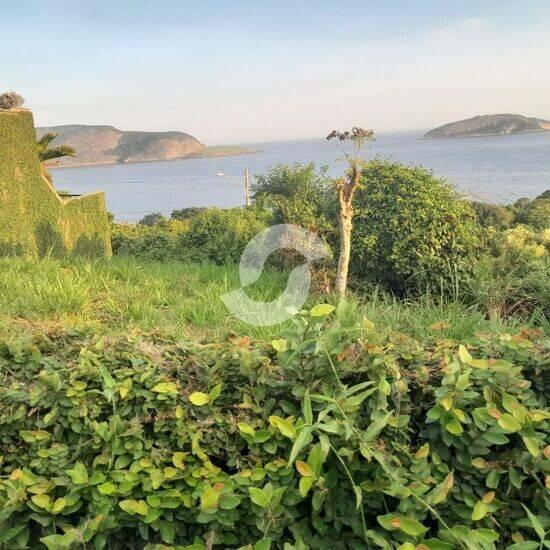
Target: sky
x=241, y=71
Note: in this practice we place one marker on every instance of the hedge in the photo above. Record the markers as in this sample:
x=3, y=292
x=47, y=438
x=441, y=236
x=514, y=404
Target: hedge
x=330, y=437
x=34, y=219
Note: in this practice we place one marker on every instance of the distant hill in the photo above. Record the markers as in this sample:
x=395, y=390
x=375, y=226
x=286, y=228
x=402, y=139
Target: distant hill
x=108, y=145
x=490, y=125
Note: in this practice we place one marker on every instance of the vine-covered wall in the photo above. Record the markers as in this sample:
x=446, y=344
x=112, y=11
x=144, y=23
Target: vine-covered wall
x=34, y=219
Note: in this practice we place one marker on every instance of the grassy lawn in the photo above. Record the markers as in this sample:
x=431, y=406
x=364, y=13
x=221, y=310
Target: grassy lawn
x=183, y=300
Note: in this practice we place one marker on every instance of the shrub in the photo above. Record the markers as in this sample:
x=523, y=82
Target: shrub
x=410, y=229
x=298, y=194
x=513, y=277
x=220, y=235
x=186, y=213
x=535, y=213
x=143, y=241
x=331, y=437
x=11, y=100
x=152, y=219
x=493, y=215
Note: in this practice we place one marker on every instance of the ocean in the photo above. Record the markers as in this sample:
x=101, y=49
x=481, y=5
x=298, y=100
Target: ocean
x=498, y=169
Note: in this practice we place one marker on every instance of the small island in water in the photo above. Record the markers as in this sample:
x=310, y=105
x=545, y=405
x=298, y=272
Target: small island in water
x=108, y=145
x=490, y=125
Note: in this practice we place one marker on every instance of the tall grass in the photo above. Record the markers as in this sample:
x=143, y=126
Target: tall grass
x=184, y=300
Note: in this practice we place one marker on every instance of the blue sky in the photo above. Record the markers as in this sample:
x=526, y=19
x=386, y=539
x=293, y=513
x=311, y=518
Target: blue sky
x=250, y=70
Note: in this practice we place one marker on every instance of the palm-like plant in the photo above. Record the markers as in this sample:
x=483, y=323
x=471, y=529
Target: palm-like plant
x=46, y=153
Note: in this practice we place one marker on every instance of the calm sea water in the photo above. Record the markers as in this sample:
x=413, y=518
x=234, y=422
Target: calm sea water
x=497, y=169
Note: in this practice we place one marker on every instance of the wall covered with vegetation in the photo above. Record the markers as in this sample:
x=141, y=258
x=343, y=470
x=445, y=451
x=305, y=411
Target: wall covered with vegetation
x=34, y=219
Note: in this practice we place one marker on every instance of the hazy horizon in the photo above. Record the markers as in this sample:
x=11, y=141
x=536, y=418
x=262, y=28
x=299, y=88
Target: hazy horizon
x=243, y=72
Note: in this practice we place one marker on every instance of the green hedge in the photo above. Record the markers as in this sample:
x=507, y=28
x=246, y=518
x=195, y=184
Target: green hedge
x=330, y=437
x=34, y=220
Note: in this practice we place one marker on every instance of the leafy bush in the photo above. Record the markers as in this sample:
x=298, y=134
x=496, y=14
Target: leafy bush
x=11, y=100
x=493, y=215
x=299, y=194
x=152, y=219
x=185, y=213
x=513, y=277
x=145, y=242
x=330, y=437
x=220, y=235
x=535, y=213
x=211, y=234
x=410, y=228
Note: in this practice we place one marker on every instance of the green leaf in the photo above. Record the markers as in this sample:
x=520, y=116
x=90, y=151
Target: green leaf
x=59, y=505
x=280, y=345
x=452, y=425
x=303, y=439
x=532, y=445
x=316, y=459
x=199, y=398
x=358, y=496
x=246, y=429
x=209, y=498
x=134, y=507
x=167, y=531
x=535, y=522
x=78, y=474
x=264, y=544
x=284, y=426
x=376, y=427
x=34, y=435
x=464, y=355
x=305, y=485
x=412, y=527
x=178, y=460
x=480, y=510
x=165, y=387
x=42, y=500
x=214, y=393
x=306, y=406
x=228, y=502
x=321, y=309
x=259, y=497
x=508, y=423
x=304, y=469
x=392, y=522
x=107, y=488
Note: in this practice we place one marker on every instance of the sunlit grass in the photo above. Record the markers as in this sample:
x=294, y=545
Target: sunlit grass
x=184, y=300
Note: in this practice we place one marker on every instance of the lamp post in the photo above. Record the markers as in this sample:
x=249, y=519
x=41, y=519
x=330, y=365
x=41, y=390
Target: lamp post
x=246, y=184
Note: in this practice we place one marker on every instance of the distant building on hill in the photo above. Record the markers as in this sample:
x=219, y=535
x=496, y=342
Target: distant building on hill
x=34, y=219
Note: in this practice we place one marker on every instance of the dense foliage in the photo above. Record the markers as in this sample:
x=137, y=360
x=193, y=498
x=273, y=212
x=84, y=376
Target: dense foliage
x=330, y=437
x=11, y=100
x=301, y=195
x=411, y=230
x=34, y=219
x=211, y=234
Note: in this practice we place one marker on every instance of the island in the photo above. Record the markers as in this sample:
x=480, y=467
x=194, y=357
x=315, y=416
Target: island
x=490, y=125
x=96, y=145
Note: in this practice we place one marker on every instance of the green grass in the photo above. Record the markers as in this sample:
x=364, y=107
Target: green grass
x=184, y=300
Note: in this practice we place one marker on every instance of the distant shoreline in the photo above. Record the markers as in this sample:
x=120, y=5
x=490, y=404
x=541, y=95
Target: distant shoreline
x=431, y=138
x=208, y=152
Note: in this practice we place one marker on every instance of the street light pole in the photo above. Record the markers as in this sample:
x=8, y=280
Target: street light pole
x=245, y=184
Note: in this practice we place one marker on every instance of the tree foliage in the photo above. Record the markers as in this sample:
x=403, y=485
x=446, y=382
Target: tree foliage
x=11, y=100
x=411, y=229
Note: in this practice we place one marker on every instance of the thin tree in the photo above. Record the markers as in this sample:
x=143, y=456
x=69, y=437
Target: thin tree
x=345, y=188
x=46, y=153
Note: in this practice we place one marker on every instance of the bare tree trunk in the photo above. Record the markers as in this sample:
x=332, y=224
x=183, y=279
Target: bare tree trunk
x=346, y=190
x=346, y=217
